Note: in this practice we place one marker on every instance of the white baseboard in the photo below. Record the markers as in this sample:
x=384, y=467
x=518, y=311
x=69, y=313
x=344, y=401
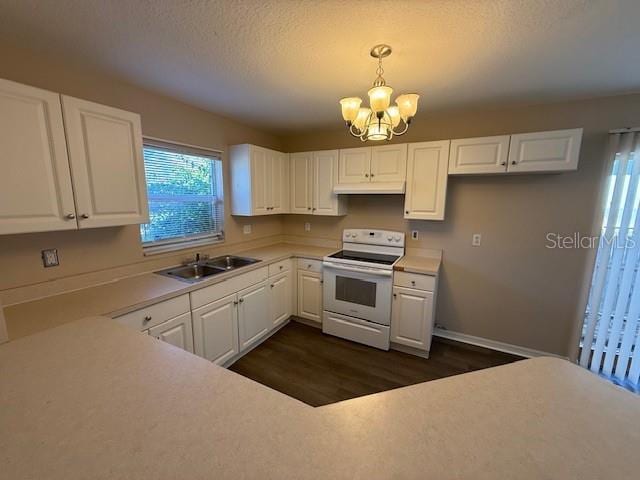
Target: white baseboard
x=493, y=344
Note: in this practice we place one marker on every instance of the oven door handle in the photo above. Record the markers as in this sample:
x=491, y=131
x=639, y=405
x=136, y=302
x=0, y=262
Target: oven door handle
x=372, y=271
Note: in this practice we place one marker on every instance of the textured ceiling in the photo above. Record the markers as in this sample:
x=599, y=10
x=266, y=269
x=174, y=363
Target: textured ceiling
x=283, y=65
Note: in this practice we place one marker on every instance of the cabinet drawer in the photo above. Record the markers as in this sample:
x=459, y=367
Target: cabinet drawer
x=414, y=280
x=310, y=265
x=156, y=314
x=360, y=331
x=279, y=267
x=227, y=287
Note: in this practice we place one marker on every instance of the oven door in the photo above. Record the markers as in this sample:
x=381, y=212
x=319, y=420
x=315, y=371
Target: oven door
x=359, y=292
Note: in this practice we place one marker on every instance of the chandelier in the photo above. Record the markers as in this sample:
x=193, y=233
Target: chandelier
x=381, y=120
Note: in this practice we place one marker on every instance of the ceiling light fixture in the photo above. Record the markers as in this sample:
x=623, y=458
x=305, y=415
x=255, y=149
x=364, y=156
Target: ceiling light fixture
x=379, y=121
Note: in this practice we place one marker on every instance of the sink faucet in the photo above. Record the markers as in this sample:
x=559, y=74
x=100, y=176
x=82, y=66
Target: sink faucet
x=197, y=259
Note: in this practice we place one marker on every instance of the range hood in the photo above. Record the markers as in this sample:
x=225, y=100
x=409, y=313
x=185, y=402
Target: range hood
x=369, y=188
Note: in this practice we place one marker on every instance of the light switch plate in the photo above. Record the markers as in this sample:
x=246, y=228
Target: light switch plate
x=50, y=258
x=307, y=227
x=414, y=234
x=246, y=229
x=476, y=239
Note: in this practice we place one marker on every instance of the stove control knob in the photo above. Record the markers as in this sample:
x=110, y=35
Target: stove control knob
x=397, y=238
x=354, y=235
x=347, y=235
x=389, y=238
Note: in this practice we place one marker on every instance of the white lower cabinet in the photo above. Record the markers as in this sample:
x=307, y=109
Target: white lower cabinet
x=411, y=322
x=253, y=314
x=280, y=298
x=215, y=328
x=412, y=310
x=310, y=295
x=176, y=332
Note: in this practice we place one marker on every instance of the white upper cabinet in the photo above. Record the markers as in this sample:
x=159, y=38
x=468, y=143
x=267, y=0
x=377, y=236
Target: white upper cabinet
x=354, y=165
x=379, y=169
x=301, y=182
x=313, y=177
x=259, y=181
x=389, y=163
x=479, y=155
x=100, y=181
x=325, y=176
x=427, y=169
x=553, y=151
x=105, y=153
x=35, y=183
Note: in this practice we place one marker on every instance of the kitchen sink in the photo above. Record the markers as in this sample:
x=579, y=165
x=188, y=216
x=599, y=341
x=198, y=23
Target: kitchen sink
x=230, y=262
x=201, y=270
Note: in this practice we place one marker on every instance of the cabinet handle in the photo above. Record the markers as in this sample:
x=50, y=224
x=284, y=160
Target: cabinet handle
x=321, y=282
x=281, y=267
x=395, y=295
x=503, y=163
x=147, y=319
x=308, y=208
x=413, y=283
x=372, y=175
x=407, y=212
x=272, y=285
x=513, y=162
x=366, y=175
x=71, y=216
x=241, y=300
x=235, y=303
x=84, y=215
x=313, y=209
x=309, y=266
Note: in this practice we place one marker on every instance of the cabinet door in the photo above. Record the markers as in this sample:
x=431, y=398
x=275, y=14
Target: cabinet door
x=554, y=151
x=479, y=155
x=426, y=180
x=105, y=152
x=354, y=165
x=260, y=180
x=389, y=163
x=412, y=318
x=325, y=202
x=301, y=181
x=35, y=184
x=215, y=330
x=253, y=314
x=279, y=183
x=176, y=332
x=280, y=298
x=310, y=295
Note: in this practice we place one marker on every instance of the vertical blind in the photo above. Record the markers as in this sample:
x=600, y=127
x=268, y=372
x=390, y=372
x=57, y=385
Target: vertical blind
x=610, y=333
x=184, y=188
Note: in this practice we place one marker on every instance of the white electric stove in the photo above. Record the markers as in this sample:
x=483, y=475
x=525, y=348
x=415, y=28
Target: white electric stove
x=358, y=284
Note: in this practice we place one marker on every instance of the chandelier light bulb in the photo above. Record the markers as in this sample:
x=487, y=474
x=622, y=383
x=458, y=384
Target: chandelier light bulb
x=361, y=118
x=380, y=98
x=408, y=105
x=350, y=108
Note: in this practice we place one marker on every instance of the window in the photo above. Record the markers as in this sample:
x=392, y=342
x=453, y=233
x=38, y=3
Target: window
x=610, y=337
x=184, y=187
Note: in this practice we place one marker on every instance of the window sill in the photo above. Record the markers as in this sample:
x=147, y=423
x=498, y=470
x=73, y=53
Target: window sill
x=174, y=247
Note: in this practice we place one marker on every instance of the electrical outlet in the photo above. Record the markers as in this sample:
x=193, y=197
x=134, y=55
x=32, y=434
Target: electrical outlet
x=476, y=239
x=50, y=258
x=246, y=229
x=414, y=234
x=307, y=227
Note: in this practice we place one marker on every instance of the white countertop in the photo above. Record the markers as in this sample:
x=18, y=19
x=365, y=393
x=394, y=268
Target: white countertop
x=94, y=399
x=132, y=293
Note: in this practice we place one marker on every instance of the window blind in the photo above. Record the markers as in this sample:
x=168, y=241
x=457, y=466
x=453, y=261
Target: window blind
x=184, y=188
x=610, y=341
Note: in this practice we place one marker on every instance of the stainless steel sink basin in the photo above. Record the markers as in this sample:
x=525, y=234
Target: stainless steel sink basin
x=230, y=262
x=201, y=270
x=192, y=273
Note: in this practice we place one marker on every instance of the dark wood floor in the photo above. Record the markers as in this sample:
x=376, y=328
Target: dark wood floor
x=302, y=362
